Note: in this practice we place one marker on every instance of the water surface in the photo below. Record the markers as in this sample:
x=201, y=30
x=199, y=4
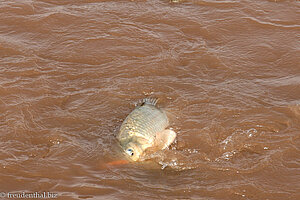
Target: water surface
x=227, y=72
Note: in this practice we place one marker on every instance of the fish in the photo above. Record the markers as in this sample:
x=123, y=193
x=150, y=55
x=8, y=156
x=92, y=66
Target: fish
x=145, y=127
x=117, y=162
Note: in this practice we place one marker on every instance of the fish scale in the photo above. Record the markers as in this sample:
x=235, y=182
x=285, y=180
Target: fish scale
x=143, y=122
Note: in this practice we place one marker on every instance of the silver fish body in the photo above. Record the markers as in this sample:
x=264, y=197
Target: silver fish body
x=139, y=129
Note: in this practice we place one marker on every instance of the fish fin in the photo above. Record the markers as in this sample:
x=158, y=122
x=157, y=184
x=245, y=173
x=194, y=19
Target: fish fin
x=151, y=101
x=117, y=162
x=165, y=138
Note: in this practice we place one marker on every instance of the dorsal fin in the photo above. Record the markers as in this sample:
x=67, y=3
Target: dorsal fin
x=151, y=101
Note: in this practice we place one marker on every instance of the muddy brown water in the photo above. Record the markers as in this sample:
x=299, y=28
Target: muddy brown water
x=227, y=72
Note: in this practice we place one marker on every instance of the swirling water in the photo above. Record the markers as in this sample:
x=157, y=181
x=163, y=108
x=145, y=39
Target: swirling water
x=227, y=72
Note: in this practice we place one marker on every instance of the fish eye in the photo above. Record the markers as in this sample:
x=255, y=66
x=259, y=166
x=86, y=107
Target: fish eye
x=130, y=152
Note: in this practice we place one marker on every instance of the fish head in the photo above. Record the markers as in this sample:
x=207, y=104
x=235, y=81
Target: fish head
x=133, y=151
